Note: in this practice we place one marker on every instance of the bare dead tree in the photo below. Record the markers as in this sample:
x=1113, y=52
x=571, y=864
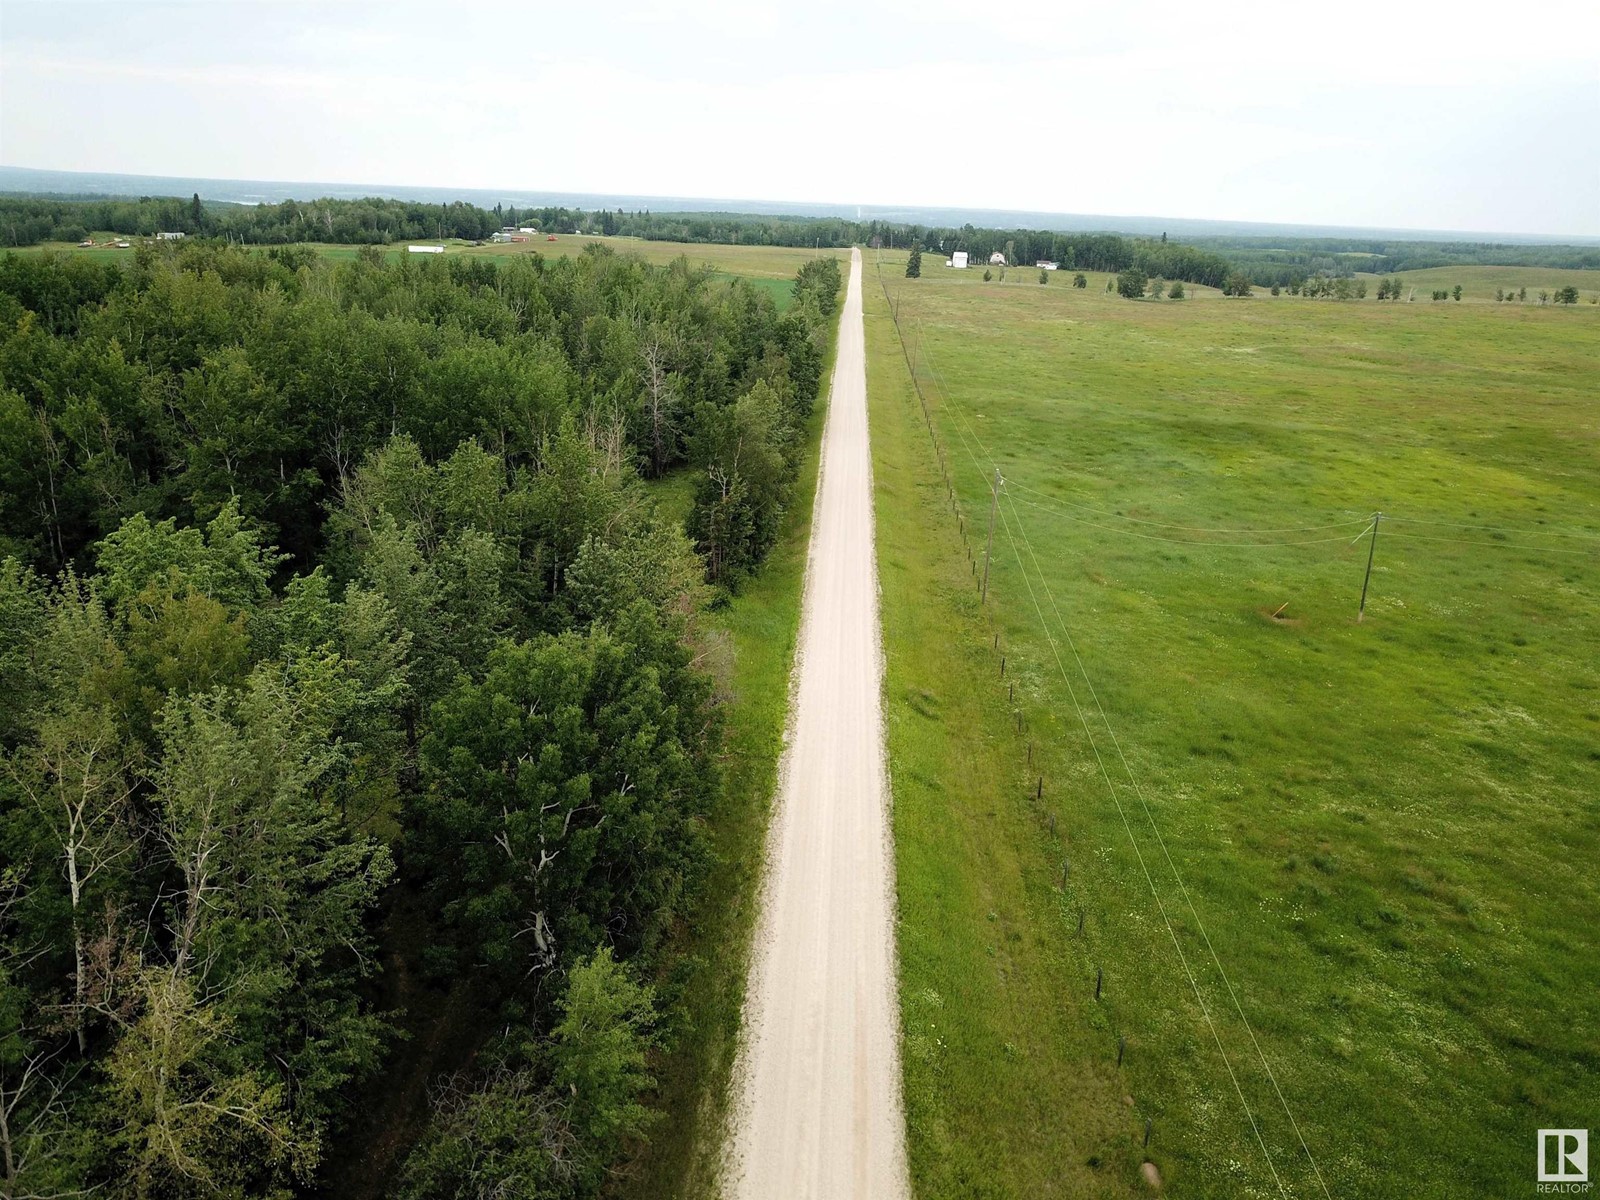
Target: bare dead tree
x=33, y=1121
x=77, y=782
x=658, y=350
x=32, y=1115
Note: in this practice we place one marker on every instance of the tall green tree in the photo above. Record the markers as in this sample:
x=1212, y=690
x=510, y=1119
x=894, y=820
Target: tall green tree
x=747, y=451
x=1131, y=283
x=563, y=793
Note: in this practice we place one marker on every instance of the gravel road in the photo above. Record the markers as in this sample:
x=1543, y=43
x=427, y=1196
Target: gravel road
x=817, y=1110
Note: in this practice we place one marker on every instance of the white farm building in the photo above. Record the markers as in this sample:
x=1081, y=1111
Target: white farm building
x=425, y=249
x=958, y=260
x=997, y=259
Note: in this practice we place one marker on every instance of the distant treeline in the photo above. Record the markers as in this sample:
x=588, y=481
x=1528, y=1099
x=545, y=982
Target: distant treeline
x=1284, y=262
x=26, y=221
x=1287, y=262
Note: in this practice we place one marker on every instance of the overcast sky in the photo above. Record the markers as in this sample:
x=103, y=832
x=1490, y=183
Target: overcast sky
x=1456, y=115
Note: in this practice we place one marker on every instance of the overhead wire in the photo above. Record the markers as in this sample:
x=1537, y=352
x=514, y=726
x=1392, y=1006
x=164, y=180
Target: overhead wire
x=1133, y=841
x=1161, y=841
x=1161, y=907
x=963, y=433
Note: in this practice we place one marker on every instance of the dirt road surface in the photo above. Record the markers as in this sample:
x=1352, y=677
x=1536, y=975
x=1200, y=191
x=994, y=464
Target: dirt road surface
x=817, y=1110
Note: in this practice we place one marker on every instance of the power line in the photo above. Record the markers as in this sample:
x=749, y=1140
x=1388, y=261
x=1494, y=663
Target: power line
x=1162, y=842
x=1144, y=804
x=1347, y=524
x=1139, y=854
x=1115, y=798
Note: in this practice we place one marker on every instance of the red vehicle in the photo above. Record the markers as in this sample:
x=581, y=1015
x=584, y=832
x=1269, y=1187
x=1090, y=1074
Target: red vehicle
x=551, y=238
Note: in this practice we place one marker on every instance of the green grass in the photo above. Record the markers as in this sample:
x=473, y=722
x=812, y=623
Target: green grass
x=1388, y=830
x=1010, y=1086
x=1479, y=283
x=780, y=289
x=748, y=645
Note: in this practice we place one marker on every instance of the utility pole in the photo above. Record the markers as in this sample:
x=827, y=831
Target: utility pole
x=1372, y=548
x=988, y=549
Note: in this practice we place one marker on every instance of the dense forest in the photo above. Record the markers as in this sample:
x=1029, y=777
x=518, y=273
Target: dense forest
x=347, y=659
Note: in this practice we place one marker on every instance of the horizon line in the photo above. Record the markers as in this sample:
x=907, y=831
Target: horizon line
x=385, y=190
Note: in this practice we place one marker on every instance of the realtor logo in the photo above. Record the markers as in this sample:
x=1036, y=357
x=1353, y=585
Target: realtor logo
x=1563, y=1157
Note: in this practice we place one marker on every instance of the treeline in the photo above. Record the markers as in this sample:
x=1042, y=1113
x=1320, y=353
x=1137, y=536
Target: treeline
x=338, y=627
x=1264, y=261
x=28, y=221
x=1290, y=261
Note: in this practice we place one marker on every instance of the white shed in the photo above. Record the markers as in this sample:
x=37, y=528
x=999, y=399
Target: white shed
x=958, y=260
x=426, y=249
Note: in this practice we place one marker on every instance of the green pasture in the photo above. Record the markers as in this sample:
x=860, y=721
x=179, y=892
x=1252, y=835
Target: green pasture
x=1479, y=283
x=1337, y=880
x=1009, y=1091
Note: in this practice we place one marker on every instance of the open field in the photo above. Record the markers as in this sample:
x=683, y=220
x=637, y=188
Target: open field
x=1359, y=856
x=1008, y=1091
x=1479, y=283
